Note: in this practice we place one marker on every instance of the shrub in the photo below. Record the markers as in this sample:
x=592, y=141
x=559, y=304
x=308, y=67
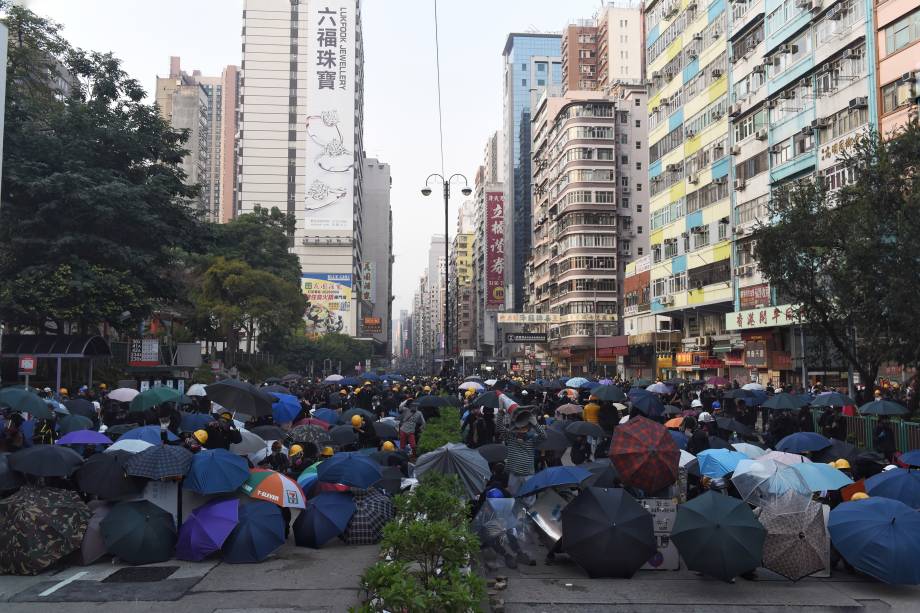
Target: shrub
x=441, y=430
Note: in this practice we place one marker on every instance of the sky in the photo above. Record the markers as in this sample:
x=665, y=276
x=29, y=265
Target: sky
x=400, y=97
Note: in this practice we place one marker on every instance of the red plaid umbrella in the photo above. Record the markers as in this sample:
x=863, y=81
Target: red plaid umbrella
x=644, y=454
x=311, y=421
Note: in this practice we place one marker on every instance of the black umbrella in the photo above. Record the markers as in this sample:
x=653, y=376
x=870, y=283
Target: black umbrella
x=80, y=406
x=291, y=376
x=343, y=435
x=670, y=409
x=608, y=393
x=391, y=481
x=104, y=475
x=72, y=423
x=608, y=533
x=139, y=532
x=113, y=432
x=733, y=425
x=269, y=433
x=278, y=389
x=46, y=461
x=603, y=474
x=10, y=479
x=555, y=441
x=363, y=413
x=430, y=401
x=584, y=428
x=385, y=430
x=738, y=394
x=489, y=400
x=716, y=442
x=835, y=451
x=160, y=462
x=241, y=397
x=493, y=452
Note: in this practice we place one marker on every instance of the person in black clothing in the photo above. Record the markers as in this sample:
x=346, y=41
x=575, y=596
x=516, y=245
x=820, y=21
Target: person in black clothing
x=581, y=450
x=222, y=433
x=699, y=441
x=277, y=460
x=883, y=438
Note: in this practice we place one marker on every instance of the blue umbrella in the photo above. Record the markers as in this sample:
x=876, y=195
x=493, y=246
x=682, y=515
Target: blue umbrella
x=784, y=402
x=329, y=416
x=286, y=408
x=325, y=518
x=802, y=442
x=552, y=477
x=84, y=437
x=260, y=532
x=680, y=438
x=821, y=477
x=898, y=484
x=717, y=463
x=148, y=434
x=649, y=404
x=755, y=398
x=832, y=399
x=206, y=529
x=352, y=469
x=216, y=471
x=882, y=407
x=369, y=376
x=193, y=421
x=576, y=382
x=393, y=377
x=880, y=537
x=638, y=391
x=911, y=458
x=353, y=381
x=590, y=385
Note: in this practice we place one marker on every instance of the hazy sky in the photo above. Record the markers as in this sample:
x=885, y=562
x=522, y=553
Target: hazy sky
x=400, y=98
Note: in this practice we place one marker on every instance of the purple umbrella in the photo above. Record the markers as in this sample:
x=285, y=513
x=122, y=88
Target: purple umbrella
x=84, y=437
x=206, y=529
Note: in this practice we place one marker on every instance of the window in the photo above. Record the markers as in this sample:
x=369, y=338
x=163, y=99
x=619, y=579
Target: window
x=639, y=251
x=638, y=165
x=723, y=231
x=902, y=32
x=752, y=166
x=846, y=121
x=638, y=208
x=638, y=144
x=541, y=82
x=752, y=210
x=541, y=66
x=670, y=248
x=677, y=283
x=523, y=66
x=638, y=102
x=638, y=123
x=523, y=82
x=837, y=176
x=605, y=154
x=895, y=95
x=624, y=159
x=638, y=187
x=639, y=230
x=658, y=288
x=700, y=236
x=656, y=253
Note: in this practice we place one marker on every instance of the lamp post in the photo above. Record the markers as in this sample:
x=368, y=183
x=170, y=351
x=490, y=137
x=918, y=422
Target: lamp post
x=466, y=191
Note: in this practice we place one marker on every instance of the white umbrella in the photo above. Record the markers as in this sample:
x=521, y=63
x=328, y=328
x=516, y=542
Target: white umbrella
x=783, y=457
x=685, y=458
x=333, y=379
x=251, y=443
x=490, y=382
x=123, y=394
x=761, y=482
x=131, y=445
x=197, y=389
x=471, y=385
x=753, y=386
x=659, y=388
x=751, y=451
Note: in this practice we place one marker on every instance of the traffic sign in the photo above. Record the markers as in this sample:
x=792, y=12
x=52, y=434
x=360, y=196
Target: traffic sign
x=525, y=337
x=27, y=364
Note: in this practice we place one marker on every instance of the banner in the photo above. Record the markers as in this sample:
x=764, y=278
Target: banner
x=369, y=282
x=765, y=317
x=329, y=308
x=754, y=296
x=529, y=318
x=330, y=124
x=495, y=250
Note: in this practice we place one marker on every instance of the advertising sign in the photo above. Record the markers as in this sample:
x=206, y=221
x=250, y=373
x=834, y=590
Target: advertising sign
x=372, y=325
x=755, y=354
x=144, y=352
x=764, y=317
x=495, y=250
x=525, y=337
x=664, y=512
x=329, y=297
x=529, y=318
x=755, y=296
x=330, y=124
x=369, y=282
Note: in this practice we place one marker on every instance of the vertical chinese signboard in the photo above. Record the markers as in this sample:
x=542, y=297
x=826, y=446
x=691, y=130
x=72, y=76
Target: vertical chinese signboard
x=369, y=282
x=330, y=125
x=495, y=250
x=329, y=296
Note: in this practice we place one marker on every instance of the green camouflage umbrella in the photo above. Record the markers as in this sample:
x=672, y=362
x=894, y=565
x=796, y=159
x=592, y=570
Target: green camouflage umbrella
x=40, y=527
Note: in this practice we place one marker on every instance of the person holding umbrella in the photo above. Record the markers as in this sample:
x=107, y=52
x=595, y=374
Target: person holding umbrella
x=222, y=433
x=521, y=436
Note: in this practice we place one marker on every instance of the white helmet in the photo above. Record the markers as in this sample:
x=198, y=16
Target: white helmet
x=706, y=418
x=696, y=403
x=889, y=467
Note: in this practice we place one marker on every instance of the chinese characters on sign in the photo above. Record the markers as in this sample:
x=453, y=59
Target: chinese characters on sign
x=369, y=282
x=529, y=318
x=755, y=354
x=372, y=325
x=144, y=352
x=755, y=296
x=330, y=302
x=764, y=317
x=495, y=250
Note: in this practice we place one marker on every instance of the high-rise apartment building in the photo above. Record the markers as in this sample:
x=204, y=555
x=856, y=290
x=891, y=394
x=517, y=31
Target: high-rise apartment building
x=301, y=147
x=207, y=108
x=489, y=182
x=462, y=294
x=620, y=43
x=376, y=301
x=579, y=56
x=897, y=25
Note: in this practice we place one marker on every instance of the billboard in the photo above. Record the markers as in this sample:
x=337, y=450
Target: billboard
x=372, y=325
x=369, y=282
x=330, y=125
x=529, y=318
x=329, y=302
x=495, y=250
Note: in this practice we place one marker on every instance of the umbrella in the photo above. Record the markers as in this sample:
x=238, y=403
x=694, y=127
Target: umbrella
x=149, y=434
x=649, y=404
x=353, y=469
x=115, y=432
x=104, y=475
x=273, y=487
x=555, y=440
x=837, y=450
x=457, y=459
x=385, y=430
x=796, y=543
x=603, y=474
x=84, y=437
x=882, y=407
x=250, y=443
x=659, y=388
x=680, y=439
x=716, y=463
x=93, y=545
x=553, y=476
x=40, y=526
x=802, y=442
x=569, y=409
x=127, y=394
x=608, y=533
x=373, y=509
x=286, y=408
x=364, y=414
x=783, y=457
x=471, y=385
x=206, y=529
x=493, y=452
x=56, y=406
x=131, y=445
x=898, y=484
x=139, y=532
x=46, y=461
x=197, y=389
x=733, y=425
x=312, y=421
x=333, y=379
x=81, y=406
x=25, y=401
x=341, y=435
x=752, y=386
x=329, y=416
x=644, y=454
x=258, y=534
x=751, y=451
x=325, y=517
x=717, y=381
x=783, y=402
x=369, y=376
x=189, y=422
x=433, y=402
x=821, y=477
x=160, y=462
x=739, y=394
x=470, y=378
x=153, y=397
x=584, y=428
x=275, y=388
x=761, y=482
x=880, y=537
x=718, y=535
x=242, y=397
x=641, y=382
x=313, y=434
x=832, y=399
x=269, y=433
x=489, y=400
x=608, y=393
x=10, y=479
x=670, y=409
x=72, y=423
x=911, y=458
x=216, y=471
x=576, y=382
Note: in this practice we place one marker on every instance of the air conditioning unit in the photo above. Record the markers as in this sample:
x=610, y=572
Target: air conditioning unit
x=716, y=73
x=716, y=34
x=759, y=69
x=908, y=77
x=698, y=36
x=789, y=48
x=666, y=300
x=789, y=94
x=739, y=231
x=745, y=271
x=693, y=179
x=739, y=184
x=734, y=110
x=672, y=167
x=835, y=13
x=690, y=133
x=656, y=74
x=691, y=6
x=719, y=181
x=654, y=110
x=761, y=134
x=808, y=131
x=851, y=54
x=692, y=55
x=735, y=150
x=772, y=104
x=700, y=341
x=776, y=148
x=665, y=101
x=859, y=103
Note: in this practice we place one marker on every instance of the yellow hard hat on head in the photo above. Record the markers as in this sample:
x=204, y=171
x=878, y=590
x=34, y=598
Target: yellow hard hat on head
x=103, y=386
x=389, y=446
x=356, y=421
x=842, y=464
x=426, y=388
x=295, y=449
x=859, y=496
x=327, y=452
x=201, y=436
x=469, y=392
x=63, y=390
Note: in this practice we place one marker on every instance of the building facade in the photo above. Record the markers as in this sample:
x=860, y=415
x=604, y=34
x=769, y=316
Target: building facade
x=462, y=295
x=489, y=180
x=579, y=56
x=897, y=35
x=376, y=303
x=620, y=44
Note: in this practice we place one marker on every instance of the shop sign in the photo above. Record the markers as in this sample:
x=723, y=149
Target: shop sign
x=734, y=358
x=755, y=354
x=711, y=363
x=666, y=362
x=764, y=317
x=690, y=358
x=755, y=296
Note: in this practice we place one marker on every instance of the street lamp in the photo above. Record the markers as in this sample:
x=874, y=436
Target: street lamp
x=466, y=191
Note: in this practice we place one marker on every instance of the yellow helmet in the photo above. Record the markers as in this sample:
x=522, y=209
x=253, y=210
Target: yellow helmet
x=64, y=391
x=427, y=388
x=859, y=496
x=295, y=449
x=842, y=464
x=388, y=446
x=103, y=386
x=469, y=393
x=327, y=452
x=201, y=436
x=356, y=421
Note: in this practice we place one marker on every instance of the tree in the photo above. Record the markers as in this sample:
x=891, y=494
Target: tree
x=850, y=257
x=298, y=350
x=260, y=239
x=92, y=194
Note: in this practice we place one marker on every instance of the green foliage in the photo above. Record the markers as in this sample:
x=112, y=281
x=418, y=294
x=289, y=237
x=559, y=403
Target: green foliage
x=441, y=430
x=298, y=350
x=93, y=200
x=260, y=239
x=439, y=496
x=850, y=258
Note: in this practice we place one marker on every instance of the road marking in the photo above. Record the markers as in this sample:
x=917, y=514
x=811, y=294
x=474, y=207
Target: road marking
x=61, y=584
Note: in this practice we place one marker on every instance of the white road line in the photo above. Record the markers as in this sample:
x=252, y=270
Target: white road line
x=61, y=584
